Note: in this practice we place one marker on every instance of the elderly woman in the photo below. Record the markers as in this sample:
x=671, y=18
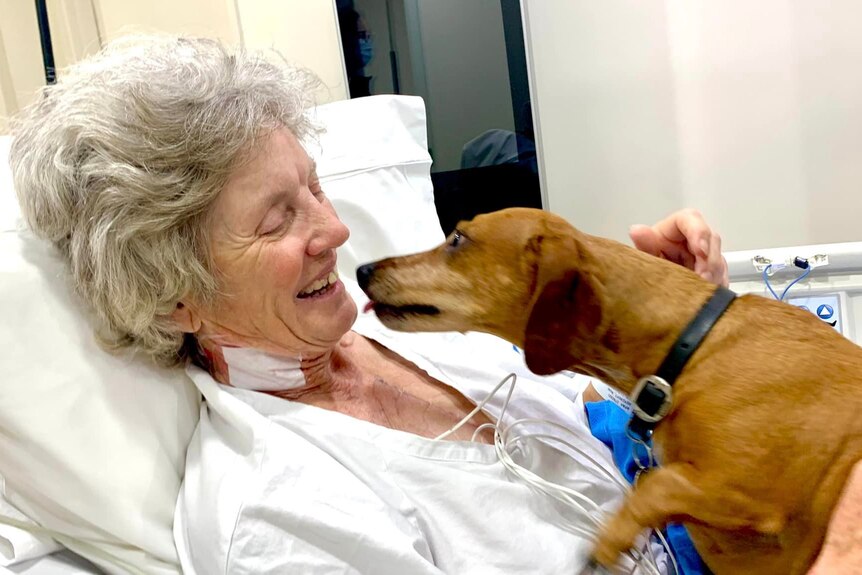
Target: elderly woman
x=171, y=173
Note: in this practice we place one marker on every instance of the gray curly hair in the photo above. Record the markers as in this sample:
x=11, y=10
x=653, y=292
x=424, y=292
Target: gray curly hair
x=118, y=163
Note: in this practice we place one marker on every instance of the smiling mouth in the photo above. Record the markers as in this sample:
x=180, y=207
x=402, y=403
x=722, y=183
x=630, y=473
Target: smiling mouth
x=320, y=287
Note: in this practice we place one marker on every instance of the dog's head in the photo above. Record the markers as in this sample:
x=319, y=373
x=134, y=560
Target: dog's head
x=517, y=273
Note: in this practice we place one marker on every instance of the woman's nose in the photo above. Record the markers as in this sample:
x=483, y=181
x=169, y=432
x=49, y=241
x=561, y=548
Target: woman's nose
x=329, y=233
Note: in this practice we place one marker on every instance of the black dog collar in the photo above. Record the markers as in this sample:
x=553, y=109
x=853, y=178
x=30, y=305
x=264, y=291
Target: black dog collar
x=652, y=396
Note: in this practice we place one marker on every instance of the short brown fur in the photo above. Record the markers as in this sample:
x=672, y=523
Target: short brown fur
x=767, y=416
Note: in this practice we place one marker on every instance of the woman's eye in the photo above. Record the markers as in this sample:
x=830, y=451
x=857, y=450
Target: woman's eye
x=276, y=222
x=316, y=189
x=272, y=227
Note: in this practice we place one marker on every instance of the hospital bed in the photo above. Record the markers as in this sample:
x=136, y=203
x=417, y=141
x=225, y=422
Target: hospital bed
x=93, y=444
x=832, y=289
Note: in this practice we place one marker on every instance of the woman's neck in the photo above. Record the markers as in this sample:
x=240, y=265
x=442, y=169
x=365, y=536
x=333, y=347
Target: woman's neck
x=357, y=380
x=287, y=376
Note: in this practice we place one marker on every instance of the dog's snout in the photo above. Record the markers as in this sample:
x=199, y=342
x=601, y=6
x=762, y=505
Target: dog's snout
x=363, y=275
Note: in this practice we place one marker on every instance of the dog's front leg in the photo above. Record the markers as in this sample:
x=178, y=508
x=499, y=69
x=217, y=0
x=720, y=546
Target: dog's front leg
x=678, y=493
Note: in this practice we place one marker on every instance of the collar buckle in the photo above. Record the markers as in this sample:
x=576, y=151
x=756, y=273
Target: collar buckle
x=651, y=399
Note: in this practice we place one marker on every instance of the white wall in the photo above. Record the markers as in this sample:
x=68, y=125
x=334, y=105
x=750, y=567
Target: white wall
x=74, y=30
x=7, y=88
x=213, y=18
x=74, y=34
x=467, y=74
x=748, y=110
x=306, y=32
x=22, y=70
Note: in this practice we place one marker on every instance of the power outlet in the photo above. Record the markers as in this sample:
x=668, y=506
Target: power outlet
x=828, y=307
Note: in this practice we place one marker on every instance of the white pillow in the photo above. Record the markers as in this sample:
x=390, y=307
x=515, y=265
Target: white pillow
x=92, y=445
x=17, y=544
x=374, y=166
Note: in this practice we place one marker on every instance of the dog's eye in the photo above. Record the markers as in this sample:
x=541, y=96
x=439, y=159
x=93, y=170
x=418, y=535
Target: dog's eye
x=456, y=239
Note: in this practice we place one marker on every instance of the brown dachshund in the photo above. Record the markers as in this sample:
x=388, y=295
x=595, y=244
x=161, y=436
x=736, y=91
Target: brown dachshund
x=766, y=421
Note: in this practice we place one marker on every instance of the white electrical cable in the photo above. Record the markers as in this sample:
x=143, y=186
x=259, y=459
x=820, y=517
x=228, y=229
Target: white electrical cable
x=479, y=406
x=568, y=496
x=615, y=478
x=480, y=429
x=502, y=444
x=666, y=546
x=506, y=442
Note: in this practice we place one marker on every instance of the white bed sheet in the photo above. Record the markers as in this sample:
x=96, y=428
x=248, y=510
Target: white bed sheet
x=277, y=486
x=60, y=563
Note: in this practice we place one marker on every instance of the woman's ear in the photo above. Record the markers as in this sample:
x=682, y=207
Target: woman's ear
x=186, y=318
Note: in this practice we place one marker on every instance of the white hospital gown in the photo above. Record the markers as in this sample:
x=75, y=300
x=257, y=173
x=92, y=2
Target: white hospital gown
x=274, y=486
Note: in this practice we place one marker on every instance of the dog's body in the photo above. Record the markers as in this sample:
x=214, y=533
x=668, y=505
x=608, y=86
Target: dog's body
x=767, y=416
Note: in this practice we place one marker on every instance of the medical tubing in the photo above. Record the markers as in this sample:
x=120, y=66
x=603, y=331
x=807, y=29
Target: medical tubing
x=505, y=439
x=478, y=408
x=806, y=271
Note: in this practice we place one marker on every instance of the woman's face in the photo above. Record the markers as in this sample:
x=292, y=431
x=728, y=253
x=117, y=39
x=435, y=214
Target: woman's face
x=273, y=234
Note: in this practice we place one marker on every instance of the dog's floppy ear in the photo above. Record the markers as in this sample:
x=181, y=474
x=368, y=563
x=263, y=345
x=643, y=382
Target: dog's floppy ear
x=567, y=308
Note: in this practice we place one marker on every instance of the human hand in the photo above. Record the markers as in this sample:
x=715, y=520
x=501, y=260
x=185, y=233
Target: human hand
x=684, y=238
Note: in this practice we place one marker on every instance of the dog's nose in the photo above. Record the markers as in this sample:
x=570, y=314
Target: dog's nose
x=363, y=275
